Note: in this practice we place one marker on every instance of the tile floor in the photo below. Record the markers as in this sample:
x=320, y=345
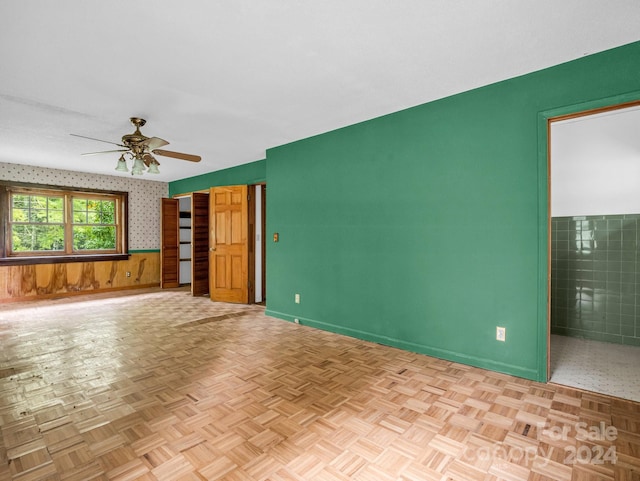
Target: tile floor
x=158, y=385
x=601, y=367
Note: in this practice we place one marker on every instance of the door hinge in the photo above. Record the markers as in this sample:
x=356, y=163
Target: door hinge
x=248, y=196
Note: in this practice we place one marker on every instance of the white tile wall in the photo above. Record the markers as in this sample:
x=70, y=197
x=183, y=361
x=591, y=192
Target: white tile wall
x=144, y=196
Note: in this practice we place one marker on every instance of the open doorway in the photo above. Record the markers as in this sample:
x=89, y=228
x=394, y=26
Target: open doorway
x=236, y=244
x=595, y=259
x=186, y=243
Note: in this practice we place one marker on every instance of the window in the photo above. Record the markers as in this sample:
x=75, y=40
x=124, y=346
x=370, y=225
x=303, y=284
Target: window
x=62, y=224
x=94, y=224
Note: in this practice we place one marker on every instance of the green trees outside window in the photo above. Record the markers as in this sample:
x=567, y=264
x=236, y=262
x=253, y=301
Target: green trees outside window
x=37, y=223
x=93, y=224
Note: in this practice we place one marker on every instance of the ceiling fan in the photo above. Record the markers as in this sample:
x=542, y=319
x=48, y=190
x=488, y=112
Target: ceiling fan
x=140, y=148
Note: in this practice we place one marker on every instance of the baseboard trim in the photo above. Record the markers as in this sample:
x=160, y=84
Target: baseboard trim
x=483, y=363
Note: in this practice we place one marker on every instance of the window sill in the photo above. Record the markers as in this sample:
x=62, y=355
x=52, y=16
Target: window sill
x=24, y=261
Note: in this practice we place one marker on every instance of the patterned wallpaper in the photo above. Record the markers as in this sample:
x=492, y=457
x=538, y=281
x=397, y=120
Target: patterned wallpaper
x=144, y=196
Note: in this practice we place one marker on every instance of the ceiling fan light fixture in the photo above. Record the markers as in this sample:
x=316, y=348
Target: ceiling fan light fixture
x=138, y=166
x=153, y=168
x=139, y=147
x=122, y=165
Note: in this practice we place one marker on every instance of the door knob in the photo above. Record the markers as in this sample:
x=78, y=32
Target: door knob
x=211, y=249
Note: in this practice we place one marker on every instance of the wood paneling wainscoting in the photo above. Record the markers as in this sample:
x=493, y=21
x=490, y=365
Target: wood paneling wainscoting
x=42, y=281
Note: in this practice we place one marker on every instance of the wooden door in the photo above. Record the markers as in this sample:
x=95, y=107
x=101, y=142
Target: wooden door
x=169, y=244
x=228, y=244
x=200, y=244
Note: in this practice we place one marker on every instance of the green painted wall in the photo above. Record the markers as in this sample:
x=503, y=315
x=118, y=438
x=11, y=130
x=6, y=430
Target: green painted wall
x=251, y=173
x=426, y=229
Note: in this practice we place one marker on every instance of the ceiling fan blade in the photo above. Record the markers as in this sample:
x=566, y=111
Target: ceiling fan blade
x=98, y=140
x=105, y=152
x=154, y=142
x=178, y=155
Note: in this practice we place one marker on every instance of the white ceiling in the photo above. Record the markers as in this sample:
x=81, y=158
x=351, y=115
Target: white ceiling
x=228, y=79
x=595, y=164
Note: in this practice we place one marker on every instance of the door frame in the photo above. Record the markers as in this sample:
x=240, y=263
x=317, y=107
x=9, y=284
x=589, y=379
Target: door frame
x=545, y=120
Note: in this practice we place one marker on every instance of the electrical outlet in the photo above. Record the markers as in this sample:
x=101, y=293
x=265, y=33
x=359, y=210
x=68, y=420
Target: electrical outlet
x=297, y=298
x=128, y=274
x=501, y=334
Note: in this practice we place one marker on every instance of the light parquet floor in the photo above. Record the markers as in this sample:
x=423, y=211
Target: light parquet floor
x=157, y=385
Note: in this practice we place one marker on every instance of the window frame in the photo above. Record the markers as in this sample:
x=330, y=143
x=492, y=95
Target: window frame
x=7, y=257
